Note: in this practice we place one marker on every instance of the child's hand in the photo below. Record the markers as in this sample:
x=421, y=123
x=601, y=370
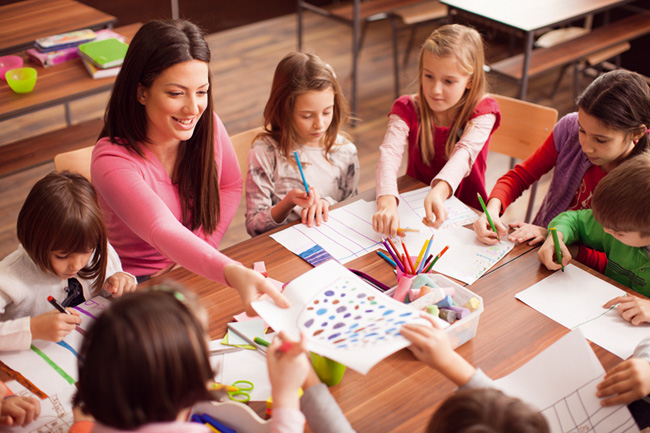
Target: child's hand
x=625, y=383
x=430, y=345
x=632, y=308
x=54, y=326
x=483, y=229
x=119, y=283
x=434, y=205
x=317, y=212
x=288, y=368
x=300, y=197
x=252, y=286
x=386, y=219
x=527, y=232
x=19, y=411
x=547, y=252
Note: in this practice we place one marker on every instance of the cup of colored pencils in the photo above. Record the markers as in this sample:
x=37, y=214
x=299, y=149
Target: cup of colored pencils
x=407, y=265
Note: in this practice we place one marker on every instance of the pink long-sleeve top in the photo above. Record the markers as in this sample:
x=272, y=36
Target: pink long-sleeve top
x=142, y=209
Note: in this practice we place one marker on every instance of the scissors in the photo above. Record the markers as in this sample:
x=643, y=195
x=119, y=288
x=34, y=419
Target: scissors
x=243, y=395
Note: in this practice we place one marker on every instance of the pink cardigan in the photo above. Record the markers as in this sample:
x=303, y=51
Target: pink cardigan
x=142, y=209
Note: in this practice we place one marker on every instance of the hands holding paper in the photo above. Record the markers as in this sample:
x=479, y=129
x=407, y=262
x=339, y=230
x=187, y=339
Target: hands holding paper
x=431, y=346
x=625, y=383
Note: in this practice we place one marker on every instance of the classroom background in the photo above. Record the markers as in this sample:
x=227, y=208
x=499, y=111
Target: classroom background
x=248, y=41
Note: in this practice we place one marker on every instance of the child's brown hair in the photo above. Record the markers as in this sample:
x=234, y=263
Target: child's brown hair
x=621, y=200
x=466, y=46
x=298, y=73
x=486, y=411
x=145, y=359
x=61, y=213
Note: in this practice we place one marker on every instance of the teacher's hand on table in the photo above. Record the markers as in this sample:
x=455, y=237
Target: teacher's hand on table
x=252, y=286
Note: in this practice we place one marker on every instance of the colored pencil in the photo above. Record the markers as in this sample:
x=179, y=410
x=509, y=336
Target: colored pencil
x=408, y=258
x=394, y=254
x=480, y=199
x=302, y=173
x=408, y=230
x=558, y=250
x=424, y=247
x=397, y=255
x=388, y=259
x=426, y=253
x=426, y=263
x=444, y=250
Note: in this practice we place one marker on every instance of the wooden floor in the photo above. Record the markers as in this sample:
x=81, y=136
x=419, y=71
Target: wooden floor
x=243, y=61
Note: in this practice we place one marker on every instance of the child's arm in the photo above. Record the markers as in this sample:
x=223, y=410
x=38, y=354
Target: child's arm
x=431, y=346
x=288, y=367
x=16, y=410
x=386, y=220
x=54, y=326
x=632, y=308
x=625, y=383
x=546, y=253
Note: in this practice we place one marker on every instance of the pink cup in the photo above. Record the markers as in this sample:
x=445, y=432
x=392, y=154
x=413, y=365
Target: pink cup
x=9, y=62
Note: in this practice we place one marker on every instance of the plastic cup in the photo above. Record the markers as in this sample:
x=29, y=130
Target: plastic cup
x=9, y=62
x=329, y=372
x=21, y=80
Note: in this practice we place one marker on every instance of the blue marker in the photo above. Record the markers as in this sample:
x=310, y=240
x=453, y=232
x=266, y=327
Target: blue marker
x=302, y=173
x=207, y=419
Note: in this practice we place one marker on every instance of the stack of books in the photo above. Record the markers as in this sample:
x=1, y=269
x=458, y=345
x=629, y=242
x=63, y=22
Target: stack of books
x=53, y=50
x=103, y=58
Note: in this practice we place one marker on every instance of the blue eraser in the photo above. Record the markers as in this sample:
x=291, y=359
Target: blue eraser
x=446, y=302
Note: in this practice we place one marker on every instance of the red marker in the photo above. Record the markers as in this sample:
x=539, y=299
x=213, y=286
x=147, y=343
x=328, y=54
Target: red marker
x=285, y=347
x=56, y=305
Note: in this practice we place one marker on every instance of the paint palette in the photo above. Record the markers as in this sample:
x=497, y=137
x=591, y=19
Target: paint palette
x=348, y=317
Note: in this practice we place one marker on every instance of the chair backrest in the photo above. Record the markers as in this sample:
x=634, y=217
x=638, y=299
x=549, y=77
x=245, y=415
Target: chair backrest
x=77, y=161
x=242, y=144
x=524, y=127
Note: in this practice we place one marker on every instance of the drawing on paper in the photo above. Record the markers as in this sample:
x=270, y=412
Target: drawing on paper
x=315, y=255
x=573, y=414
x=347, y=317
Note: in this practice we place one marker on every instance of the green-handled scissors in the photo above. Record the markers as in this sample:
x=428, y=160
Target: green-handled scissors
x=243, y=395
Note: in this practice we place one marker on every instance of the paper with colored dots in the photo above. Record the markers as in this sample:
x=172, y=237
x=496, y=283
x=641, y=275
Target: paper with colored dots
x=341, y=316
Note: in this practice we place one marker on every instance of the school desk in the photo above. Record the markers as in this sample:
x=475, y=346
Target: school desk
x=21, y=23
x=400, y=393
x=530, y=18
x=56, y=85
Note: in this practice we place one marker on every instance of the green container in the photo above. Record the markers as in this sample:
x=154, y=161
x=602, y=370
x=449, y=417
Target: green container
x=21, y=80
x=329, y=372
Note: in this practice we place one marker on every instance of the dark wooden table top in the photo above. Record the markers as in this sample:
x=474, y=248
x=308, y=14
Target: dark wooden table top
x=400, y=393
x=21, y=23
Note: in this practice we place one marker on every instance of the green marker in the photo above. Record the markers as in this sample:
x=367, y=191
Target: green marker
x=480, y=199
x=558, y=251
x=261, y=342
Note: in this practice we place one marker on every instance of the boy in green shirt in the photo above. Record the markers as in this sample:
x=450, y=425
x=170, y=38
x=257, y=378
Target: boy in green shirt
x=618, y=224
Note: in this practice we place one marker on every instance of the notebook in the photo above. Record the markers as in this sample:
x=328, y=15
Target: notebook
x=107, y=53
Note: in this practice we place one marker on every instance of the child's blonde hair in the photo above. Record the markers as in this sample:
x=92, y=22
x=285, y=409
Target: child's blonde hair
x=466, y=46
x=298, y=73
x=621, y=201
x=61, y=213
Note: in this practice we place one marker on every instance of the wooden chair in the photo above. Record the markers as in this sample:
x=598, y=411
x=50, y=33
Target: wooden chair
x=524, y=127
x=242, y=144
x=355, y=13
x=77, y=161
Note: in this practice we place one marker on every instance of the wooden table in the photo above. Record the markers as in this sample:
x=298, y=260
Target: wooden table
x=23, y=22
x=400, y=393
x=530, y=17
x=59, y=84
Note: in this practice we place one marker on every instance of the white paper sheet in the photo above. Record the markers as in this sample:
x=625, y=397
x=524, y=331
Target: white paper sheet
x=348, y=234
x=565, y=392
x=342, y=317
x=52, y=369
x=575, y=298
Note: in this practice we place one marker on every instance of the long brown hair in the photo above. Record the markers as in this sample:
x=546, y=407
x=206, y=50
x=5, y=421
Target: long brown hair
x=298, y=73
x=157, y=46
x=144, y=359
x=466, y=46
x=61, y=213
